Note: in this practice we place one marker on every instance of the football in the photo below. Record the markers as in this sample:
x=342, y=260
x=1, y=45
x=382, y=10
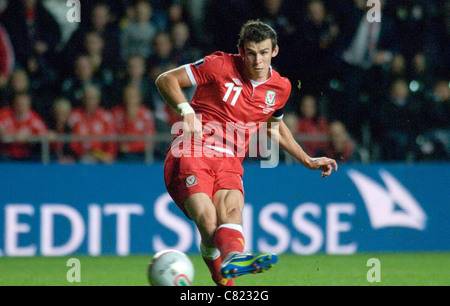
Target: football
x=170, y=268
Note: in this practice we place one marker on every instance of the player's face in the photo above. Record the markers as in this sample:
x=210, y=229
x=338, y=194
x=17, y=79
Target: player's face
x=257, y=58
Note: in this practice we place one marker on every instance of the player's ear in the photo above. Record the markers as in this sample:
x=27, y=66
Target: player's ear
x=241, y=51
x=275, y=51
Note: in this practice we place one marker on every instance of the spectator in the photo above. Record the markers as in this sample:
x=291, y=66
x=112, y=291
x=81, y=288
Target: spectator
x=421, y=74
x=311, y=124
x=416, y=71
x=93, y=48
x=34, y=35
x=133, y=118
x=340, y=146
x=60, y=151
x=162, y=56
x=101, y=21
x=58, y=10
x=92, y=120
x=160, y=14
x=315, y=42
x=415, y=21
x=134, y=75
x=7, y=61
x=397, y=69
x=116, y=9
x=275, y=14
x=176, y=13
x=398, y=122
x=103, y=70
x=17, y=124
x=19, y=82
x=137, y=37
x=366, y=49
x=434, y=143
x=196, y=12
x=183, y=50
x=128, y=16
x=3, y=5
x=73, y=87
x=159, y=62
x=291, y=119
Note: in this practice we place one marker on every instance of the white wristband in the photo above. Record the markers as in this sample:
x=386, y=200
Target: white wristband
x=184, y=109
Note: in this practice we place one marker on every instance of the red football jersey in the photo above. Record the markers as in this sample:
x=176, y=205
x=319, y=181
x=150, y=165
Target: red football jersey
x=32, y=124
x=226, y=97
x=100, y=124
x=143, y=124
x=313, y=127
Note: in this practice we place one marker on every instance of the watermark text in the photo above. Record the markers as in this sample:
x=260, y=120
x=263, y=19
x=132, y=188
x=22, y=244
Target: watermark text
x=374, y=273
x=73, y=275
x=74, y=13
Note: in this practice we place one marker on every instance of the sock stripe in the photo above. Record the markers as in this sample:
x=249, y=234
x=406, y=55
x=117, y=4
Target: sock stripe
x=229, y=239
x=233, y=226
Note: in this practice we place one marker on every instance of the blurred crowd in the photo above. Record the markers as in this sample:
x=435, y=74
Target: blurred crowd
x=362, y=91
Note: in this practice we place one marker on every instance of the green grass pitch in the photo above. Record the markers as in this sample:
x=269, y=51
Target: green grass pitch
x=406, y=269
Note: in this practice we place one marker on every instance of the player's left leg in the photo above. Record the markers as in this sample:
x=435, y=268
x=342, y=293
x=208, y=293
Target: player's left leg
x=200, y=209
x=229, y=238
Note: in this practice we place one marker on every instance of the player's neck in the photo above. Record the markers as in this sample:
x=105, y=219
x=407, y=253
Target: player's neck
x=259, y=79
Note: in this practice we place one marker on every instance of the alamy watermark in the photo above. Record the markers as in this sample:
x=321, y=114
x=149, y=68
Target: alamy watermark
x=73, y=275
x=74, y=13
x=374, y=13
x=374, y=273
x=235, y=139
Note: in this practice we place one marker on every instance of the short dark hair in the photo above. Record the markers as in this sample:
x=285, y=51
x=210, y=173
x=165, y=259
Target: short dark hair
x=257, y=31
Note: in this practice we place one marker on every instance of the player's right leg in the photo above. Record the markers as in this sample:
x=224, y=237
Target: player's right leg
x=229, y=237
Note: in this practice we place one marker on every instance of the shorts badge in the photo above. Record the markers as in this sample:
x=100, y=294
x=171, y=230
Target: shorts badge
x=191, y=180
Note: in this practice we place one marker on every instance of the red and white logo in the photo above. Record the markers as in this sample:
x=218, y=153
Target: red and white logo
x=191, y=180
x=270, y=97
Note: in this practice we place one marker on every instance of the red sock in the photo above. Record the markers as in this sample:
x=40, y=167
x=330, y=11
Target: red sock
x=214, y=269
x=212, y=258
x=229, y=238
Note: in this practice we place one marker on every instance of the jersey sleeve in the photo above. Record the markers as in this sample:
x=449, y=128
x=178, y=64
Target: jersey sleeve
x=207, y=69
x=38, y=126
x=278, y=114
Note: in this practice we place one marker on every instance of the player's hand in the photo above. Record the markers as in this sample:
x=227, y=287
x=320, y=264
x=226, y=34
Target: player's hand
x=192, y=127
x=327, y=165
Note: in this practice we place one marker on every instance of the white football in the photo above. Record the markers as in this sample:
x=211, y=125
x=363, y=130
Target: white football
x=170, y=268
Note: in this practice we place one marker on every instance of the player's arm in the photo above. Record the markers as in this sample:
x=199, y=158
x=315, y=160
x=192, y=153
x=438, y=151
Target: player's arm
x=170, y=84
x=280, y=133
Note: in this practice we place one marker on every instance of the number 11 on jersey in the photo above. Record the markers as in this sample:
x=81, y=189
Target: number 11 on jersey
x=231, y=88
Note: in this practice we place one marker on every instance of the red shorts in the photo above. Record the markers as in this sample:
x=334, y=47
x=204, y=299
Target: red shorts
x=185, y=176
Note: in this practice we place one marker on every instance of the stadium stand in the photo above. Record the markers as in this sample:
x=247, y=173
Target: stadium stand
x=387, y=83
